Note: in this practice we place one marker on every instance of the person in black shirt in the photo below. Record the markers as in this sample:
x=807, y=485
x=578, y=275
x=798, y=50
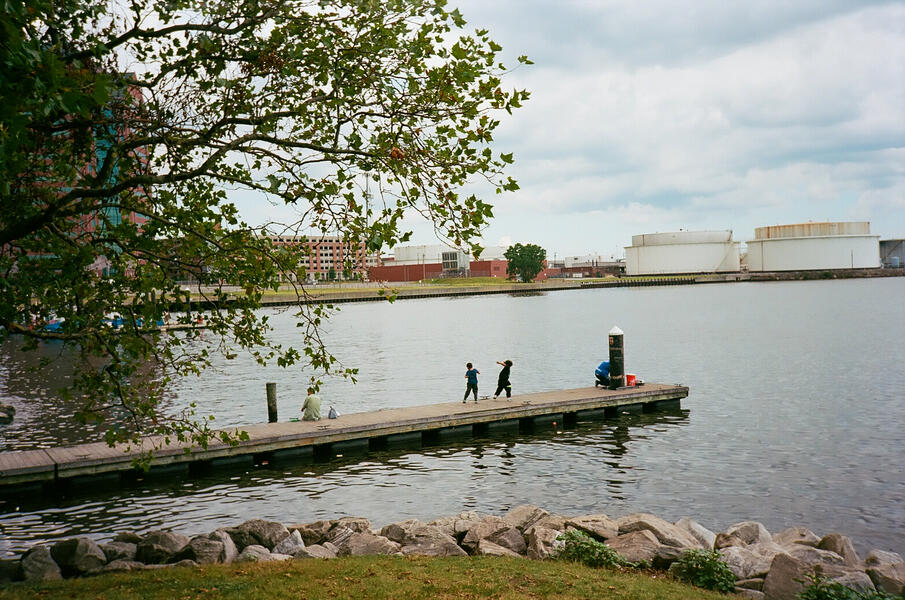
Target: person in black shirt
x=503, y=381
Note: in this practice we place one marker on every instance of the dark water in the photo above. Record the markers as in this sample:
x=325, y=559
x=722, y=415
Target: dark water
x=795, y=416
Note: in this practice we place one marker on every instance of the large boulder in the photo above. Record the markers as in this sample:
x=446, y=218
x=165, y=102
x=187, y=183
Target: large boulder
x=119, y=551
x=315, y=551
x=38, y=565
x=259, y=532
x=400, y=532
x=745, y=562
x=599, y=527
x=158, y=547
x=510, y=538
x=786, y=578
x=291, y=544
x=426, y=540
x=851, y=577
x=887, y=571
x=841, y=545
x=485, y=547
x=525, y=516
x=486, y=528
x=254, y=553
x=77, y=556
x=796, y=535
x=750, y=532
x=636, y=546
x=458, y=525
x=667, y=533
x=542, y=542
x=368, y=544
x=704, y=536
x=230, y=552
x=814, y=556
x=121, y=565
x=313, y=533
x=128, y=537
x=201, y=549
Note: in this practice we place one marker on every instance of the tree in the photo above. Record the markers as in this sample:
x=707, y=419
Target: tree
x=127, y=128
x=525, y=261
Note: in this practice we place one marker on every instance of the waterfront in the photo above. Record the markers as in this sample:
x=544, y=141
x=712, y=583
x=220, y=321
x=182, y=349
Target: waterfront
x=749, y=443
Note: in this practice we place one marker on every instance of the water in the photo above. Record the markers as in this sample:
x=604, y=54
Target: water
x=794, y=418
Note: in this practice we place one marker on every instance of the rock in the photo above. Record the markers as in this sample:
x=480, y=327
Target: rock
x=814, y=556
x=599, y=527
x=542, y=542
x=485, y=528
x=119, y=551
x=230, y=552
x=5, y=418
x=511, y=539
x=667, y=533
x=755, y=583
x=525, y=516
x=750, y=532
x=724, y=540
x=426, y=540
x=290, y=545
x=254, y=553
x=340, y=535
x=887, y=571
x=485, y=547
x=175, y=565
x=786, y=578
x=399, y=532
x=128, y=537
x=158, y=547
x=850, y=577
x=666, y=556
x=555, y=522
x=746, y=593
x=458, y=525
x=313, y=533
x=121, y=565
x=38, y=565
x=368, y=544
x=332, y=548
x=745, y=562
x=841, y=545
x=796, y=535
x=636, y=546
x=265, y=533
x=315, y=551
x=77, y=556
x=201, y=549
x=704, y=536
x=356, y=524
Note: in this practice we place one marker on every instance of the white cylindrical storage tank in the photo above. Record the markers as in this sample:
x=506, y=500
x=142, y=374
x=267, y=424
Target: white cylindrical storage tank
x=682, y=252
x=813, y=246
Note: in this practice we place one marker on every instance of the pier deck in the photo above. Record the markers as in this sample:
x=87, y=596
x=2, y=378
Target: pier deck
x=367, y=429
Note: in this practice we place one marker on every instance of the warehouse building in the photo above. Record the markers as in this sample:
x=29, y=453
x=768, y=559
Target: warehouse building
x=682, y=252
x=892, y=253
x=810, y=246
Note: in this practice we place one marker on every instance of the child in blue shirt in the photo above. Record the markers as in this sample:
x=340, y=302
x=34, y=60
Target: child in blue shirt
x=472, y=375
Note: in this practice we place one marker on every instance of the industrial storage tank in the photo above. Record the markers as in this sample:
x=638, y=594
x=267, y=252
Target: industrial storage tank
x=811, y=246
x=682, y=252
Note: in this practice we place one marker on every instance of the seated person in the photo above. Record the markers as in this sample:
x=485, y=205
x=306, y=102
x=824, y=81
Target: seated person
x=603, y=374
x=311, y=408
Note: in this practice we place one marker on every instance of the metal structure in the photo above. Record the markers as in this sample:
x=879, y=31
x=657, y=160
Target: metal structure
x=682, y=252
x=812, y=246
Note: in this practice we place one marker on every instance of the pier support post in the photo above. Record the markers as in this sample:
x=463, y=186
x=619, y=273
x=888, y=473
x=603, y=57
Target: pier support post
x=617, y=358
x=271, y=402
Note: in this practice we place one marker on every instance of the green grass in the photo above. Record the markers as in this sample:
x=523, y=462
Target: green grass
x=367, y=578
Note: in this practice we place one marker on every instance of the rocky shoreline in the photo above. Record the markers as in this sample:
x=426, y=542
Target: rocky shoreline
x=767, y=566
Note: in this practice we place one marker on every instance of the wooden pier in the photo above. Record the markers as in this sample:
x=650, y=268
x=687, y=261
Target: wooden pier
x=357, y=431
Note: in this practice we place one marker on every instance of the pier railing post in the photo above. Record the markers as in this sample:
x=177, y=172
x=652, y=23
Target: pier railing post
x=271, y=402
x=617, y=358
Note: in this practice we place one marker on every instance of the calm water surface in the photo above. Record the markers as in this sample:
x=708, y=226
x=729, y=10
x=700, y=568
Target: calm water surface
x=795, y=416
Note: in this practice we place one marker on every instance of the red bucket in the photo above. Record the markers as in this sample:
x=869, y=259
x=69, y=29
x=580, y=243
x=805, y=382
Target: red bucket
x=629, y=380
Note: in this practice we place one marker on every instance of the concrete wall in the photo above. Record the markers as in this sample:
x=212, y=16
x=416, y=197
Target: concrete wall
x=808, y=253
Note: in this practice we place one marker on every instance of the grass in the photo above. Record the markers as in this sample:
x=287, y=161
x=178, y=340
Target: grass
x=371, y=578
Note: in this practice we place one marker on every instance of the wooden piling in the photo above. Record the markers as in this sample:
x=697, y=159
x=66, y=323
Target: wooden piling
x=272, y=402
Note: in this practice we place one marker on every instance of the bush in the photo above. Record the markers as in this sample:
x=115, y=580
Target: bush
x=821, y=589
x=704, y=569
x=582, y=548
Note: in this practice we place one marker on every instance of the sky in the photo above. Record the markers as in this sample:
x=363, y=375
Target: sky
x=702, y=115
x=656, y=116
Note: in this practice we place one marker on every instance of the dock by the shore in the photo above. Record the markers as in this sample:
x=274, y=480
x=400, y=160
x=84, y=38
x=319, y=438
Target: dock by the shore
x=356, y=431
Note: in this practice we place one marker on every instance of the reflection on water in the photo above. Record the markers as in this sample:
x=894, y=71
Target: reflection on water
x=478, y=473
x=795, y=413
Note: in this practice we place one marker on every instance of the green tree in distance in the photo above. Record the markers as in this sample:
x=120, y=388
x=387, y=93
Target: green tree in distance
x=167, y=108
x=525, y=261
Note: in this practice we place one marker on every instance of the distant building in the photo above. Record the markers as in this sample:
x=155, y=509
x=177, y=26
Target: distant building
x=892, y=253
x=329, y=257
x=418, y=262
x=810, y=246
x=682, y=252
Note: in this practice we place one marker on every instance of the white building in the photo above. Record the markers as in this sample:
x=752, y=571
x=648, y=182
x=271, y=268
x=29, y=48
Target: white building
x=682, y=252
x=434, y=253
x=809, y=246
